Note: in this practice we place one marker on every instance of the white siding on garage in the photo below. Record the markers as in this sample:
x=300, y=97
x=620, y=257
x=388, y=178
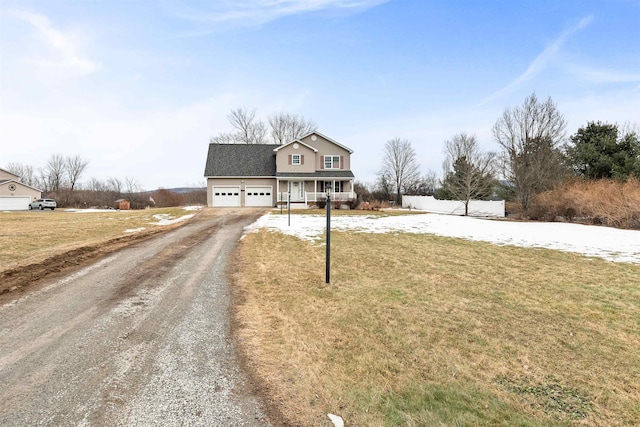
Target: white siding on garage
x=258, y=196
x=14, y=203
x=225, y=196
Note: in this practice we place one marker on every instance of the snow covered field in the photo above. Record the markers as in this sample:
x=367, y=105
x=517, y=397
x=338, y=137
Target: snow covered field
x=604, y=242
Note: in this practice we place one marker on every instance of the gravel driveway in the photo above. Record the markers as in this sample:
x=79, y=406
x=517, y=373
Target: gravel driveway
x=138, y=338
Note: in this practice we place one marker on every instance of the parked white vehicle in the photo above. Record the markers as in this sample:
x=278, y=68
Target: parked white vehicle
x=43, y=204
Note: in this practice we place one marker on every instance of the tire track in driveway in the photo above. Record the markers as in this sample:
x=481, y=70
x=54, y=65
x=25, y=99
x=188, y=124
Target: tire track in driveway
x=156, y=350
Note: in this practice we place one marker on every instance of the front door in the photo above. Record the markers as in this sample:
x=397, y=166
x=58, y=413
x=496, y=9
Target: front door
x=297, y=191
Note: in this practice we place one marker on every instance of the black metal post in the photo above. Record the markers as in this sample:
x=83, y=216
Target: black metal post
x=289, y=209
x=328, y=261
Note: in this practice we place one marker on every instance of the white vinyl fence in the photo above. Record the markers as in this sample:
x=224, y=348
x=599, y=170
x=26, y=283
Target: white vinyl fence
x=453, y=207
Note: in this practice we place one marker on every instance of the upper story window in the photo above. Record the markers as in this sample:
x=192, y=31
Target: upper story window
x=296, y=159
x=332, y=162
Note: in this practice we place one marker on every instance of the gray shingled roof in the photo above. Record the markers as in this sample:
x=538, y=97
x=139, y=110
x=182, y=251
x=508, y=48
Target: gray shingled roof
x=241, y=160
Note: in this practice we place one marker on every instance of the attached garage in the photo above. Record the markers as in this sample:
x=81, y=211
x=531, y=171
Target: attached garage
x=14, y=203
x=225, y=196
x=259, y=196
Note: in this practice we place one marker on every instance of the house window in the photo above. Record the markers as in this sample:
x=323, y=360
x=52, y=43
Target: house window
x=328, y=185
x=332, y=162
x=295, y=159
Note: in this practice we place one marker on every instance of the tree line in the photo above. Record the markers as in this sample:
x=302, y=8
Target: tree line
x=60, y=178
x=535, y=156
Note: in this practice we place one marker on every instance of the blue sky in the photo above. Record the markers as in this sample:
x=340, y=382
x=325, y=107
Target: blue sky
x=139, y=87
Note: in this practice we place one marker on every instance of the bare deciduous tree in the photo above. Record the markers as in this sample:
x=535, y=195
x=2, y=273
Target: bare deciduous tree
x=530, y=136
x=96, y=185
x=53, y=173
x=25, y=172
x=425, y=185
x=247, y=129
x=76, y=166
x=224, y=138
x=132, y=184
x=399, y=165
x=114, y=184
x=286, y=127
x=468, y=171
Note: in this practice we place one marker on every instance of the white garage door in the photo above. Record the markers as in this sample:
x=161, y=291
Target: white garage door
x=14, y=203
x=258, y=196
x=226, y=196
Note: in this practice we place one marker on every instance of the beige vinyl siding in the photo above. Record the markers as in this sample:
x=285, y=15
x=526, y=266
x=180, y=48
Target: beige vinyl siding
x=283, y=159
x=325, y=147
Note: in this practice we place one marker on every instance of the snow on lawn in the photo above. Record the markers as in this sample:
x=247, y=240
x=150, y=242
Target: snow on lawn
x=134, y=230
x=604, y=242
x=165, y=219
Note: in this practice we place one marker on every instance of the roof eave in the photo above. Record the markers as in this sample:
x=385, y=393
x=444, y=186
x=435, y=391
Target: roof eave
x=328, y=139
x=315, y=150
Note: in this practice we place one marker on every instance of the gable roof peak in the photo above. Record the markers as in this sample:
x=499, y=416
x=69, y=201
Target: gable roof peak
x=328, y=139
x=315, y=150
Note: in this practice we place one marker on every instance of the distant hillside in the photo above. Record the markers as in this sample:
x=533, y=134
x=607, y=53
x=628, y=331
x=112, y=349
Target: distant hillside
x=182, y=190
x=178, y=190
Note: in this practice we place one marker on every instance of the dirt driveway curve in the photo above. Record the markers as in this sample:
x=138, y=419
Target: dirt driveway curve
x=140, y=337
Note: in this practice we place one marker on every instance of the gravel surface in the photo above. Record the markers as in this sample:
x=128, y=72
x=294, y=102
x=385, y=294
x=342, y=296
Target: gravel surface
x=140, y=338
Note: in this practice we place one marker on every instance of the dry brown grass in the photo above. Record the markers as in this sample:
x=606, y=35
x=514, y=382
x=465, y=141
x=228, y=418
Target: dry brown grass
x=609, y=202
x=31, y=237
x=423, y=330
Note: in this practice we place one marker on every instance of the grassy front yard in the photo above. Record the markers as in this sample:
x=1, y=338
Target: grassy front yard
x=422, y=330
x=29, y=237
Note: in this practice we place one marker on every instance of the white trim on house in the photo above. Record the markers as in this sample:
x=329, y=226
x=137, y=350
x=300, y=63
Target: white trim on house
x=18, y=182
x=332, y=156
x=328, y=139
x=315, y=150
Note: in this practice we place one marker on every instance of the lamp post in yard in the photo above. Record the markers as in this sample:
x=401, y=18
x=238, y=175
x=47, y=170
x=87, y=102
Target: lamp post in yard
x=328, y=257
x=289, y=209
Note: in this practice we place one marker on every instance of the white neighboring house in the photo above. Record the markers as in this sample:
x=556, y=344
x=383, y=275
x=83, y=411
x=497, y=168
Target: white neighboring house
x=14, y=195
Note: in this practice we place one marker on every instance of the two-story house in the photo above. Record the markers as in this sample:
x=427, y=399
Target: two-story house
x=266, y=174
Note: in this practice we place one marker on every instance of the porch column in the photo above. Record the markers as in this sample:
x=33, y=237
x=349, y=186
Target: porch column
x=315, y=190
x=278, y=191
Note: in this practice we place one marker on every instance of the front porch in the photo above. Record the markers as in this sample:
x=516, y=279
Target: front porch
x=309, y=192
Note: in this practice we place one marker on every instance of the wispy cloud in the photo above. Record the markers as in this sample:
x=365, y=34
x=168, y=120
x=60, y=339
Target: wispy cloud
x=248, y=13
x=541, y=61
x=63, y=46
x=602, y=75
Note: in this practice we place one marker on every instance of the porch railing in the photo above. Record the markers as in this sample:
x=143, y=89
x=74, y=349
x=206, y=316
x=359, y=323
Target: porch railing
x=310, y=197
x=338, y=197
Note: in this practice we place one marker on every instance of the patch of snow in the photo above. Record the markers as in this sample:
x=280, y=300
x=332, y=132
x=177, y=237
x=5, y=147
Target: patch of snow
x=134, y=230
x=596, y=241
x=336, y=420
x=164, y=219
x=192, y=208
x=90, y=210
